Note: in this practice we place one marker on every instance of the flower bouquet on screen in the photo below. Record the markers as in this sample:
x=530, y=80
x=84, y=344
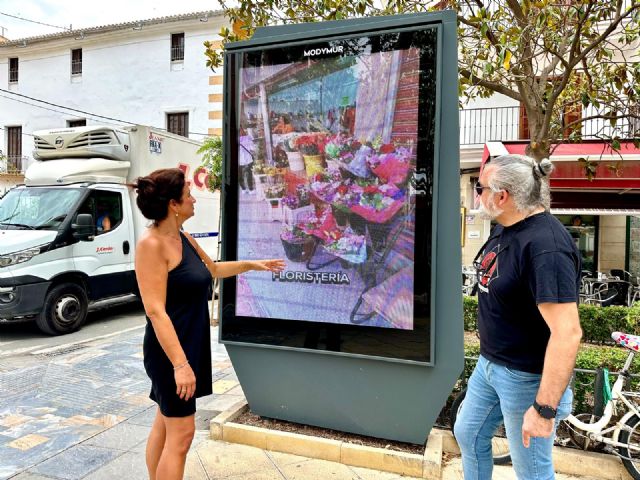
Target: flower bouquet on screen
x=274, y=192
x=390, y=165
x=379, y=202
x=358, y=167
x=296, y=204
x=298, y=246
x=323, y=184
x=348, y=246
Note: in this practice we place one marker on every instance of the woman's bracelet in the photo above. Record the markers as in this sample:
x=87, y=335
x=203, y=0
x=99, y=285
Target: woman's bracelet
x=178, y=367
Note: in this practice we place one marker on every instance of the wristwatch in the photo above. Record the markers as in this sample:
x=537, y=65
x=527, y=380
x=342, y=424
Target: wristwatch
x=545, y=411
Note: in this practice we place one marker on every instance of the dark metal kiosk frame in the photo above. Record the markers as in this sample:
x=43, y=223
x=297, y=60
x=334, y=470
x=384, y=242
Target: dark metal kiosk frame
x=397, y=392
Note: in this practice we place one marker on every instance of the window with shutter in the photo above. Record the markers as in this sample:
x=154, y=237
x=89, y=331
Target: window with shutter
x=13, y=70
x=76, y=61
x=178, y=123
x=14, y=149
x=177, y=47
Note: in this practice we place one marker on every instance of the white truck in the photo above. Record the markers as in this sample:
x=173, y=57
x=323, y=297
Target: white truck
x=55, y=257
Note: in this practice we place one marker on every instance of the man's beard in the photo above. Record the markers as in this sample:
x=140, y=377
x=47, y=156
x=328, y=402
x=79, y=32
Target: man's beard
x=489, y=211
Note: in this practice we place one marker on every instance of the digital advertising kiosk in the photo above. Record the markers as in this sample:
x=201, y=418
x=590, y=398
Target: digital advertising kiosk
x=341, y=156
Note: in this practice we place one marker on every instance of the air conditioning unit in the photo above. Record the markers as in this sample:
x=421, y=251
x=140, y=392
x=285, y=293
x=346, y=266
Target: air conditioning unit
x=82, y=142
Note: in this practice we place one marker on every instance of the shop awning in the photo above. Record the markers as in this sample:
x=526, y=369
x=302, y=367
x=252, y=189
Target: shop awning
x=614, y=171
x=626, y=212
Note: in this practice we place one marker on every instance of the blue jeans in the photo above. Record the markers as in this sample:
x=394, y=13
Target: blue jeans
x=498, y=394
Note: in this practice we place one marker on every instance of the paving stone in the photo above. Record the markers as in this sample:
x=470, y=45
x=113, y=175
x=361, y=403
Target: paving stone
x=76, y=462
x=222, y=386
x=220, y=402
x=203, y=418
x=30, y=476
x=318, y=469
x=221, y=459
x=123, y=436
x=130, y=465
x=271, y=475
x=12, y=420
x=284, y=459
x=194, y=470
x=27, y=442
x=367, y=474
x=144, y=418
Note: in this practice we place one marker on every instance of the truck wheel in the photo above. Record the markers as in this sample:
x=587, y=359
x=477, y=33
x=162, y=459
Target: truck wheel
x=64, y=311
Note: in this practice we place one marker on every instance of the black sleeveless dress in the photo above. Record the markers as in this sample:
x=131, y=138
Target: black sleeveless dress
x=188, y=287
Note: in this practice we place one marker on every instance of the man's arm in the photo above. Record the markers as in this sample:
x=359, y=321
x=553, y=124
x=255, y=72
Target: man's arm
x=564, y=322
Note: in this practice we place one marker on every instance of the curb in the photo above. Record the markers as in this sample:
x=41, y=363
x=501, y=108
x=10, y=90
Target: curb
x=568, y=461
x=429, y=465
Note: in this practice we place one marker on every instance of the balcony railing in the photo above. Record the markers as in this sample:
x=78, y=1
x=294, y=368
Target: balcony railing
x=13, y=164
x=481, y=125
x=177, y=53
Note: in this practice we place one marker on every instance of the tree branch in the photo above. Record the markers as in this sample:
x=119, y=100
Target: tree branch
x=603, y=36
x=496, y=87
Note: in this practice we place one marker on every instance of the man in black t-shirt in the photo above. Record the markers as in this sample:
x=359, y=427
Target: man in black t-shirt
x=528, y=283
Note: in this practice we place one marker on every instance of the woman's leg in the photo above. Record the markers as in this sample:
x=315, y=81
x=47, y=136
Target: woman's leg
x=249, y=171
x=155, y=444
x=179, y=435
x=242, y=179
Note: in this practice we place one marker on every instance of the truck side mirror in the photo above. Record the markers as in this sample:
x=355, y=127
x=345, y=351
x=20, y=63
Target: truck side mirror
x=85, y=228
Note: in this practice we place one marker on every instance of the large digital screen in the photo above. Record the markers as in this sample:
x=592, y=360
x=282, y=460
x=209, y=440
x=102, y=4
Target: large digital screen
x=332, y=170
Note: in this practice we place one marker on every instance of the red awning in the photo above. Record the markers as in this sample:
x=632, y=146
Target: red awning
x=614, y=170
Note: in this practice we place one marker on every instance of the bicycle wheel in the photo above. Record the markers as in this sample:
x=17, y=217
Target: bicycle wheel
x=630, y=453
x=499, y=445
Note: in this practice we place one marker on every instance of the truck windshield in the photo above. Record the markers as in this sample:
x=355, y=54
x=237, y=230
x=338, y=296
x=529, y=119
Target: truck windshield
x=36, y=208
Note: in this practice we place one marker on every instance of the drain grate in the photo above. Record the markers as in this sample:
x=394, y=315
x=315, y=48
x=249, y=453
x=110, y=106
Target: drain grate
x=62, y=351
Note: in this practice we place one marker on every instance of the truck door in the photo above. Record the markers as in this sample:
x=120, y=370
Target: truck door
x=107, y=260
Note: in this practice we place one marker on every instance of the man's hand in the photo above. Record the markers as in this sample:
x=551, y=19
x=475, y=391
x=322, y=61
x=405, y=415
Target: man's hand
x=534, y=425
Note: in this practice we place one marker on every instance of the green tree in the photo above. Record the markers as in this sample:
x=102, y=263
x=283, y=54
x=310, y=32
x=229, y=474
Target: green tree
x=550, y=55
x=212, y=153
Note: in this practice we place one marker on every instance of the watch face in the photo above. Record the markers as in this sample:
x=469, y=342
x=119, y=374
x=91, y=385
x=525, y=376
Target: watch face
x=546, y=412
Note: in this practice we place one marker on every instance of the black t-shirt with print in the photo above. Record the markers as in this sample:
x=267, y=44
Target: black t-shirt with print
x=531, y=262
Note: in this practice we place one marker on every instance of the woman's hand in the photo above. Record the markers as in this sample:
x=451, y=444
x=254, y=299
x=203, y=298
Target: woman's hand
x=274, y=265
x=185, y=382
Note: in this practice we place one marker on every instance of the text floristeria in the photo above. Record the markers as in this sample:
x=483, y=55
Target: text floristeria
x=333, y=278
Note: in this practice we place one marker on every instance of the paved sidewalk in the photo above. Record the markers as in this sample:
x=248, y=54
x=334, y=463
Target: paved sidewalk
x=83, y=413
x=214, y=459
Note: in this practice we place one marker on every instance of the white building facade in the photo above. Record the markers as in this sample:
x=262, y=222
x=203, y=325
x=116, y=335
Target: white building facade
x=149, y=72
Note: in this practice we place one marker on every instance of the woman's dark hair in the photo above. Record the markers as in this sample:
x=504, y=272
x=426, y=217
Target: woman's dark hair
x=156, y=190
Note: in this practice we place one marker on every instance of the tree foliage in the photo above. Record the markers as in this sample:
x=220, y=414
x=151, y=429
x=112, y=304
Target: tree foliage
x=212, y=153
x=553, y=56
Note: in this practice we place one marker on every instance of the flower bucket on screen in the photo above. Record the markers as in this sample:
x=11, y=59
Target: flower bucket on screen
x=296, y=164
x=314, y=164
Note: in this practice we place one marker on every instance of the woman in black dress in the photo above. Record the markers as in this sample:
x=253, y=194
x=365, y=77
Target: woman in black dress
x=174, y=276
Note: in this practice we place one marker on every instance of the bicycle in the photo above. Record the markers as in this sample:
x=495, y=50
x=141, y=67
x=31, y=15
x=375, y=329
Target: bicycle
x=622, y=436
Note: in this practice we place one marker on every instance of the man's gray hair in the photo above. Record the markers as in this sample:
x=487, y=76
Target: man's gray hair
x=526, y=180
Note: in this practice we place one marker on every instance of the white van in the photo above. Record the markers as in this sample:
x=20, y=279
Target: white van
x=56, y=257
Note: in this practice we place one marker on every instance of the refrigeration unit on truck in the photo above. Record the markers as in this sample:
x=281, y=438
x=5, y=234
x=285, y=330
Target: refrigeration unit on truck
x=56, y=258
